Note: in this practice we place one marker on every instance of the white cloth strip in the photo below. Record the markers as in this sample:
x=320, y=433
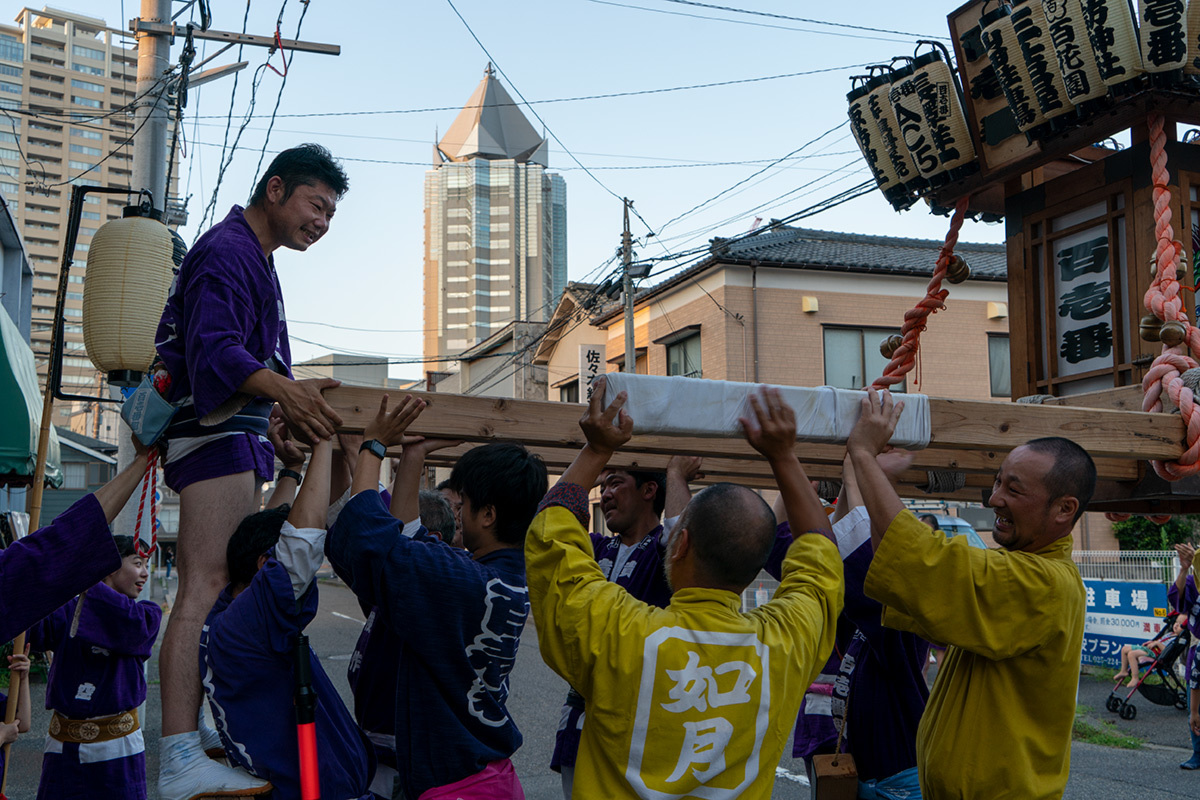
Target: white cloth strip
x=301, y=551
x=678, y=406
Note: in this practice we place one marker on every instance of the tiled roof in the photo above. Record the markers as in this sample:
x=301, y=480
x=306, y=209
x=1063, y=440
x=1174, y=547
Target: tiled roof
x=803, y=248
x=853, y=252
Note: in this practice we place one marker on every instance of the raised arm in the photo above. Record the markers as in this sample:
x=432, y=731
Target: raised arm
x=113, y=495
x=312, y=502
x=388, y=429
x=1187, y=554
x=603, y=437
x=292, y=458
x=868, y=439
x=302, y=402
x=772, y=432
x=406, y=485
x=681, y=471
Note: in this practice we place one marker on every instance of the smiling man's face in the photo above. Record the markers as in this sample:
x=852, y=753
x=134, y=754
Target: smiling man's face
x=1024, y=510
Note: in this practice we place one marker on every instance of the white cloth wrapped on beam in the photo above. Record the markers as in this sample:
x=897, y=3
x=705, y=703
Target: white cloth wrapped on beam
x=677, y=406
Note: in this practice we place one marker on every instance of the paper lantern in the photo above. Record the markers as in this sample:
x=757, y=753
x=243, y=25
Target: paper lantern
x=880, y=106
x=1004, y=53
x=1163, y=35
x=1076, y=60
x=1037, y=51
x=130, y=267
x=1114, y=41
x=932, y=123
x=870, y=142
x=1192, y=66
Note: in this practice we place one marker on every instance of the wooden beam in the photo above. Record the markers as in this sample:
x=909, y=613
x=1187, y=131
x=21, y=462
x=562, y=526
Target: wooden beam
x=968, y=436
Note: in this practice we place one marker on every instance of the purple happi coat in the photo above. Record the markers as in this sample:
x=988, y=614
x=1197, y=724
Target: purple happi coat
x=98, y=672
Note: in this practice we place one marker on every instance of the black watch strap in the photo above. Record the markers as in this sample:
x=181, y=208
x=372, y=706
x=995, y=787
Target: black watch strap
x=289, y=473
x=375, y=447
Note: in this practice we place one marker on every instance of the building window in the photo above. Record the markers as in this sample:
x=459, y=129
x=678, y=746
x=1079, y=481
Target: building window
x=74, y=476
x=683, y=357
x=11, y=49
x=569, y=393
x=11, y=88
x=87, y=52
x=85, y=101
x=87, y=69
x=852, y=358
x=85, y=150
x=998, y=365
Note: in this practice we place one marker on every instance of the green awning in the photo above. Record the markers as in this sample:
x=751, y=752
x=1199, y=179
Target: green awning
x=21, y=412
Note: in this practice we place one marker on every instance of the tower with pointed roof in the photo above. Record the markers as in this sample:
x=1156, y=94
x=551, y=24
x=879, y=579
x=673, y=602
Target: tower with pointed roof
x=495, y=225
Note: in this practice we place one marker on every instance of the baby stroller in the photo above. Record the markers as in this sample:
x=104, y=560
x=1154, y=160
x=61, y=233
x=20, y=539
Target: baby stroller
x=1170, y=692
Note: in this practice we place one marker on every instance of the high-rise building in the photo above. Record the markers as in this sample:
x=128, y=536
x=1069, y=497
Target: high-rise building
x=73, y=79
x=495, y=225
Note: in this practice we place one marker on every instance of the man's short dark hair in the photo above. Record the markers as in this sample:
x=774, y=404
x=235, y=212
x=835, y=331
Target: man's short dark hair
x=642, y=477
x=732, y=530
x=507, y=477
x=1073, y=473
x=255, y=535
x=305, y=165
x=436, y=514
x=126, y=545
x=930, y=520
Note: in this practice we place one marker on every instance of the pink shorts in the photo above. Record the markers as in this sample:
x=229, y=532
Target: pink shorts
x=497, y=781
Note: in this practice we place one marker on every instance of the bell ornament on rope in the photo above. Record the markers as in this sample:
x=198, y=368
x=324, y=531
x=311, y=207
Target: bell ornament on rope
x=889, y=345
x=1148, y=328
x=958, y=270
x=130, y=266
x=1172, y=333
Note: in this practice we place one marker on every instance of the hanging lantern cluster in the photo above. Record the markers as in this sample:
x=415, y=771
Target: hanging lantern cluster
x=910, y=125
x=1050, y=64
x=131, y=263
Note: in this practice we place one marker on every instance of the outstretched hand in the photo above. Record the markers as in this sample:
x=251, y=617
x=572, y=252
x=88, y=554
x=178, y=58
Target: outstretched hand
x=772, y=432
x=687, y=467
x=876, y=423
x=281, y=439
x=1187, y=555
x=389, y=427
x=597, y=422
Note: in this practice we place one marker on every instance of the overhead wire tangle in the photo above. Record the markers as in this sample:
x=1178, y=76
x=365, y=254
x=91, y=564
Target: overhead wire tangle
x=578, y=98
x=755, y=174
x=842, y=34
x=212, y=202
x=282, y=83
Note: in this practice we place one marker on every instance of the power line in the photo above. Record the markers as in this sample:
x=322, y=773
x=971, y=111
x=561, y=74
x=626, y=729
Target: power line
x=575, y=99
x=752, y=24
x=282, y=83
x=799, y=19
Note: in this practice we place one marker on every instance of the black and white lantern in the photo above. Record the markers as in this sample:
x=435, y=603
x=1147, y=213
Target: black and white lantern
x=1037, y=51
x=1114, y=40
x=929, y=112
x=1076, y=60
x=1004, y=53
x=880, y=107
x=870, y=142
x=1163, y=34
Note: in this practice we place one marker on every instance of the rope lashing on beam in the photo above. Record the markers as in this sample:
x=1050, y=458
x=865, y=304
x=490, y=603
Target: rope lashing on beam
x=904, y=357
x=1164, y=301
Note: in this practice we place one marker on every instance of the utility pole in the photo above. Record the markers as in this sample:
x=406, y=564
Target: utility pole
x=149, y=170
x=627, y=260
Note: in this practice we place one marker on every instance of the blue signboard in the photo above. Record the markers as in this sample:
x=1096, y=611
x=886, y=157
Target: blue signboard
x=1120, y=613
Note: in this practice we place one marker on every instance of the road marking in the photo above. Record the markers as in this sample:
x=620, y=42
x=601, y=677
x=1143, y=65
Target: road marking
x=780, y=772
x=345, y=616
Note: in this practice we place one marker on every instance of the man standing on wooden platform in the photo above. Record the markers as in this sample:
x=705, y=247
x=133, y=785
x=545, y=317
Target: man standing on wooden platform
x=223, y=338
x=998, y=723
x=696, y=699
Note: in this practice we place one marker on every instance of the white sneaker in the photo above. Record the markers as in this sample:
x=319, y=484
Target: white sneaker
x=186, y=773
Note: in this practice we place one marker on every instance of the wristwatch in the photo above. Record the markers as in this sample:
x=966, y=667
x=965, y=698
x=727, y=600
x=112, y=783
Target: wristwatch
x=375, y=447
x=289, y=473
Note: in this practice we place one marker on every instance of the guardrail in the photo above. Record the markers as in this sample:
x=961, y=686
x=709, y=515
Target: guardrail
x=1157, y=566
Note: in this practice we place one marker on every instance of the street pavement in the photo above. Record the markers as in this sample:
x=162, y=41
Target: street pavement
x=1097, y=773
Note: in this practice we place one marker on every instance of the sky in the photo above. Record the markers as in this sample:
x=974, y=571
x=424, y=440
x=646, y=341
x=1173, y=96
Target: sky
x=406, y=67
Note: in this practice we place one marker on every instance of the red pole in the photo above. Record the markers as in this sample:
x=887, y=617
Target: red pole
x=306, y=725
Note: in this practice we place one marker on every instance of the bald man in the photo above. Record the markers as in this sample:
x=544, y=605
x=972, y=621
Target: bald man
x=697, y=694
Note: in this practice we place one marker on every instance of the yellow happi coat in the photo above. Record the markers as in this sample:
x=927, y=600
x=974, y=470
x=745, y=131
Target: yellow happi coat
x=694, y=700
x=998, y=723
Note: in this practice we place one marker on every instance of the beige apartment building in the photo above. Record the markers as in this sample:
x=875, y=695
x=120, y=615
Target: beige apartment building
x=75, y=78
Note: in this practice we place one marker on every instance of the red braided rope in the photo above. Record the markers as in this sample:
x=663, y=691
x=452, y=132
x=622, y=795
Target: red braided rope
x=916, y=319
x=1163, y=300
x=149, y=487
